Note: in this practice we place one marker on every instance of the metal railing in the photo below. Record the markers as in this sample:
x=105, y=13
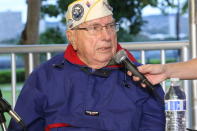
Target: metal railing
x=142, y=47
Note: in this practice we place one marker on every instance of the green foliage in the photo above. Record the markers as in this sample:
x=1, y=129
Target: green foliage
x=5, y=76
x=171, y=60
x=124, y=36
x=185, y=7
x=51, y=10
x=153, y=61
x=52, y=36
x=129, y=10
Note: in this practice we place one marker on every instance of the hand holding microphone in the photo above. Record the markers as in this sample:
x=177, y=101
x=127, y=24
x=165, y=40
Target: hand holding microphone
x=122, y=58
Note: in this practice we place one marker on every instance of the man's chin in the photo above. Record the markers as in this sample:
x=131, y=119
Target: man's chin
x=105, y=59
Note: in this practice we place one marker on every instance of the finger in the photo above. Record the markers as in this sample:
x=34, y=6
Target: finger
x=135, y=78
x=140, y=68
x=129, y=73
x=143, y=85
x=144, y=68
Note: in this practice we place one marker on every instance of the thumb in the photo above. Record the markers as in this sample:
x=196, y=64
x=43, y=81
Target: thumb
x=143, y=69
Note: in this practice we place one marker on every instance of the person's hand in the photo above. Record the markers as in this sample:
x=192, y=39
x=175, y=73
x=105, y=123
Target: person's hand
x=154, y=73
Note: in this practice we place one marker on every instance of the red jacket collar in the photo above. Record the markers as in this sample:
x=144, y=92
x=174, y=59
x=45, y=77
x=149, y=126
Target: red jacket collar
x=71, y=55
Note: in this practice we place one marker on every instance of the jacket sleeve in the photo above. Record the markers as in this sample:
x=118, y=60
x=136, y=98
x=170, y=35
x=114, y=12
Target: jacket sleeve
x=153, y=118
x=29, y=105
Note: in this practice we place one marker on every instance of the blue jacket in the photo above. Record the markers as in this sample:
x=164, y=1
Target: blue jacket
x=62, y=96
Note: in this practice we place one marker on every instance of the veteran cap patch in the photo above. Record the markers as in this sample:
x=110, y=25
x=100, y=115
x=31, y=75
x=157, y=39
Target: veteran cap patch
x=85, y=10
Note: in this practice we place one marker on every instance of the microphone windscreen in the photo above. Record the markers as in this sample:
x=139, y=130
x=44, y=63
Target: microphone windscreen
x=120, y=56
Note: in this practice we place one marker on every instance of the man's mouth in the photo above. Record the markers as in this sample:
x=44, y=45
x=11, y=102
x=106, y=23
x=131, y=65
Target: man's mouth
x=103, y=49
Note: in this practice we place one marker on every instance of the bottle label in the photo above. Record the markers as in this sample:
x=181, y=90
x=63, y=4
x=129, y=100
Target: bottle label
x=175, y=105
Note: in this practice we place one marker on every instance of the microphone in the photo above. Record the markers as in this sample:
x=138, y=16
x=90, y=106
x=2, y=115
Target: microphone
x=122, y=58
x=6, y=107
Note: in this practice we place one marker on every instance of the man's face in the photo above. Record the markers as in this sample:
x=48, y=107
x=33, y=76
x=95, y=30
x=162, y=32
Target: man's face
x=95, y=50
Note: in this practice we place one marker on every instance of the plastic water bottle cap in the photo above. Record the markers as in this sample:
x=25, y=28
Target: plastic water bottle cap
x=174, y=79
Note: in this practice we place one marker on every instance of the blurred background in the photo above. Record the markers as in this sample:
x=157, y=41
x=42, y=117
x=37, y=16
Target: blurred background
x=42, y=22
x=145, y=20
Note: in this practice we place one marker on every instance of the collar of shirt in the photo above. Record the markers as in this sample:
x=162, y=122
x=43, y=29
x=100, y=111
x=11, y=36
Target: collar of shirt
x=71, y=55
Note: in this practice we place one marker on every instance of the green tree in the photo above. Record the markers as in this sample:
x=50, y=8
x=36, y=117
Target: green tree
x=52, y=36
x=124, y=11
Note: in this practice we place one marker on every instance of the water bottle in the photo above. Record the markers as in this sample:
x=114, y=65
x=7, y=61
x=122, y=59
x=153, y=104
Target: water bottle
x=175, y=107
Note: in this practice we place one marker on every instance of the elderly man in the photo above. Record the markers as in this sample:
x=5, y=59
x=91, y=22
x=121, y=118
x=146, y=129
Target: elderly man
x=83, y=89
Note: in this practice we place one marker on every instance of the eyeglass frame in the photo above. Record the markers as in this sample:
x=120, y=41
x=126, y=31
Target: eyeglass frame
x=100, y=27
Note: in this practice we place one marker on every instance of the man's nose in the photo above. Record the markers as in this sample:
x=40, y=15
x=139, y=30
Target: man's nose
x=105, y=32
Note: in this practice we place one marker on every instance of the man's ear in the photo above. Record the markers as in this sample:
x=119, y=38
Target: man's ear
x=70, y=34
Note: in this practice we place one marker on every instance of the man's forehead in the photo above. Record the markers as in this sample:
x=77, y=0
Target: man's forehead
x=104, y=20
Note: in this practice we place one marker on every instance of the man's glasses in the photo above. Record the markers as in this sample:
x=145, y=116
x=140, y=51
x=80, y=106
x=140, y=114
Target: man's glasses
x=96, y=29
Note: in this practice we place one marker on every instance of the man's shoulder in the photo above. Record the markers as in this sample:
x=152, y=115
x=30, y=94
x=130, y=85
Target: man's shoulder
x=50, y=64
x=57, y=59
